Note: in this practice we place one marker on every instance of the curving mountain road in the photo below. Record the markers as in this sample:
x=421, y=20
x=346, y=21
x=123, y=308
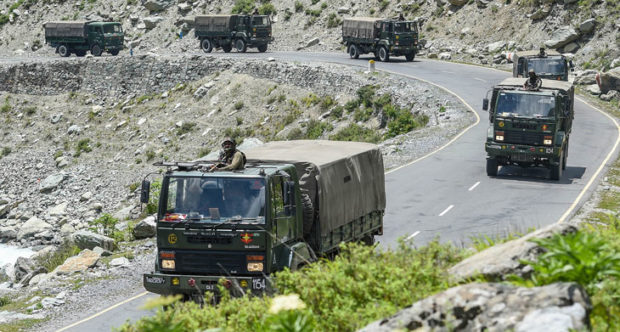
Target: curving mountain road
x=447, y=194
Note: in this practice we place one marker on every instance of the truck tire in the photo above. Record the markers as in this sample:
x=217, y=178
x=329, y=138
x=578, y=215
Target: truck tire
x=96, y=50
x=262, y=48
x=114, y=52
x=80, y=53
x=63, y=51
x=240, y=45
x=565, y=156
x=227, y=48
x=384, y=55
x=556, y=170
x=308, y=212
x=492, y=167
x=206, y=45
x=354, y=52
x=410, y=56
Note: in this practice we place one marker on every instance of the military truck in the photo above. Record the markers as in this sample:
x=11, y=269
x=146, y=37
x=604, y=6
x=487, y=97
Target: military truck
x=380, y=36
x=547, y=64
x=529, y=127
x=81, y=36
x=293, y=201
x=226, y=31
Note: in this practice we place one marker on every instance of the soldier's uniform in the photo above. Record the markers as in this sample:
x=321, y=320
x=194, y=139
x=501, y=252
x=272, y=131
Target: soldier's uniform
x=533, y=82
x=232, y=158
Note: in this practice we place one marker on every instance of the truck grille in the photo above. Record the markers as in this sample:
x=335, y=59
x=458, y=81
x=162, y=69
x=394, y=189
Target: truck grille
x=523, y=137
x=211, y=262
x=262, y=33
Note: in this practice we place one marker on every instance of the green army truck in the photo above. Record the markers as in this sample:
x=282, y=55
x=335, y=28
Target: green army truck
x=81, y=36
x=380, y=36
x=293, y=201
x=529, y=127
x=547, y=64
x=226, y=31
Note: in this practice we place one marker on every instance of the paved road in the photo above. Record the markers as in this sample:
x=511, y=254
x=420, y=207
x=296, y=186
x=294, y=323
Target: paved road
x=448, y=194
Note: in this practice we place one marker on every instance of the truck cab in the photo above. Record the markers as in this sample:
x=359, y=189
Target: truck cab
x=105, y=36
x=547, y=64
x=529, y=128
x=382, y=37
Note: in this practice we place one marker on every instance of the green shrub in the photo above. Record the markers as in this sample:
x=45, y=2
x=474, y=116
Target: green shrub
x=310, y=100
x=314, y=12
x=366, y=94
x=316, y=128
x=29, y=111
x=287, y=15
x=106, y=224
x=150, y=155
x=203, y=152
x=337, y=112
x=401, y=121
x=153, y=204
x=6, y=107
x=356, y=133
x=4, y=300
x=186, y=127
x=267, y=9
x=299, y=7
x=55, y=258
x=327, y=102
x=243, y=7
x=362, y=114
x=383, y=4
x=295, y=133
x=239, y=120
x=83, y=145
x=238, y=105
x=333, y=21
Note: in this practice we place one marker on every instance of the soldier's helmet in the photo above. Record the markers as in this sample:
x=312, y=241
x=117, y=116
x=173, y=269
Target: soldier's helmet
x=531, y=73
x=229, y=144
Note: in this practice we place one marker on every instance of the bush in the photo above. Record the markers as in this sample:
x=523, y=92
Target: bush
x=327, y=102
x=267, y=9
x=186, y=127
x=366, y=94
x=337, y=112
x=243, y=7
x=106, y=225
x=238, y=105
x=53, y=259
x=299, y=7
x=383, y=4
x=83, y=145
x=333, y=21
x=356, y=133
x=401, y=121
x=316, y=128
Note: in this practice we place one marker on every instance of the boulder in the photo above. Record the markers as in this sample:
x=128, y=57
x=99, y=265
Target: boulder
x=80, y=263
x=22, y=267
x=587, y=26
x=51, y=182
x=445, y=56
x=503, y=259
x=157, y=5
x=343, y=10
x=8, y=232
x=571, y=47
x=482, y=3
x=59, y=210
x=120, y=261
x=184, y=7
x=610, y=95
x=4, y=208
x=610, y=80
x=31, y=227
x=542, y=12
x=28, y=277
x=496, y=307
x=561, y=37
x=86, y=196
x=585, y=77
x=312, y=42
x=496, y=46
x=593, y=89
x=102, y=252
x=89, y=240
x=9, y=316
x=152, y=21
x=145, y=228
x=56, y=118
x=74, y=129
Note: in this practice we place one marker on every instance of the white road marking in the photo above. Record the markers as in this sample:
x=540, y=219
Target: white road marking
x=412, y=236
x=479, y=79
x=446, y=210
x=474, y=186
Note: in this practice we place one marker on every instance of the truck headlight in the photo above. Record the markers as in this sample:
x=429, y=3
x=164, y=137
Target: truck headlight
x=255, y=267
x=167, y=264
x=547, y=140
x=499, y=136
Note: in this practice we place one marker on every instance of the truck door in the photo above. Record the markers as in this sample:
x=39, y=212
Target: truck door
x=521, y=68
x=282, y=222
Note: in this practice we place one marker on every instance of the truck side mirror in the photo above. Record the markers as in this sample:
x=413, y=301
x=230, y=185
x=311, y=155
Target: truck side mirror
x=145, y=191
x=289, y=198
x=485, y=104
x=571, y=65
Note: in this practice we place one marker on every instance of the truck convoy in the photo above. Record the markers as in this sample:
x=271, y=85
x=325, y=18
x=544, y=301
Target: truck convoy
x=294, y=201
x=529, y=127
x=81, y=36
x=547, y=64
x=380, y=36
x=226, y=31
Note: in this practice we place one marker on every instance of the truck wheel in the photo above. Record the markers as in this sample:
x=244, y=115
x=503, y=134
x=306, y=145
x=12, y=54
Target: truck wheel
x=556, y=171
x=565, y=156
x=354, y=53
x=206, y=45
x=410, y=56
x=492, y=167
x=262, y=48
x=95, y=50
x=384, y=55
x=240, y=45
x=63, y=51
x=80, y=53
x=114, y=52
x=308, y=212
x=226, y=48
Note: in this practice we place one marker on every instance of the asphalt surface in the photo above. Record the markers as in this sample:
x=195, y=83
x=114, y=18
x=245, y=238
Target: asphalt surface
x=448, y=194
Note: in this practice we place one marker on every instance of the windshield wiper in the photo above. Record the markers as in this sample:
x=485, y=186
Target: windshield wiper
x=232, y=221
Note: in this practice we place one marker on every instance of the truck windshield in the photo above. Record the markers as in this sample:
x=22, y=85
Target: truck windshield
x=112, y=28
x=214, y=199
x=260, y=20
x=525, y=105
x=401, y=27
x=548, y=66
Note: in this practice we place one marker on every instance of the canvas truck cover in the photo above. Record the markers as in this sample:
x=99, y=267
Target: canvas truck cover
x=359, y=27
x=219, y=23
x=65, y=29
x=345, y=180
x=546, y=84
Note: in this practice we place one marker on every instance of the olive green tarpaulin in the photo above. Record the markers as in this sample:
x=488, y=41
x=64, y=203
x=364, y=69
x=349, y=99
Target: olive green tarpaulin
x=360, y=27
x=216, y=23
x=65, y=29
x=344, y=180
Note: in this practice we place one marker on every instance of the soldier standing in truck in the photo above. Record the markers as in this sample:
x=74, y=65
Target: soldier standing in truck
x=230, y=158
x=533, y=82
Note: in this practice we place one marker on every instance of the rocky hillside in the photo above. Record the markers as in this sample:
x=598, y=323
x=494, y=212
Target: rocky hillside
x=473, y=31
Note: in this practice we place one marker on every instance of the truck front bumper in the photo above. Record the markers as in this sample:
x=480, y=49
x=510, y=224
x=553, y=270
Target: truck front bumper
x=523, y=154
x=169, y=284
x=401, y=50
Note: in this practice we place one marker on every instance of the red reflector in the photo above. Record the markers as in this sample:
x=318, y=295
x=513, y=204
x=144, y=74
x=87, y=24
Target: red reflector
x=533, y=149
x=512, y=147
x=166, y=254
x=255, y=257
x=544, y=127
x=191, y=282
x=547, y=137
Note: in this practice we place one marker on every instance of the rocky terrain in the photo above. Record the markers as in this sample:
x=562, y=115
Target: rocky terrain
x=75, y=146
